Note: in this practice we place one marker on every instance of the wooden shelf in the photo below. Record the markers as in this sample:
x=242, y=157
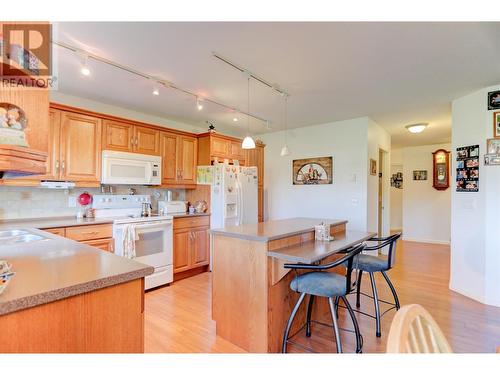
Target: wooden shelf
x=22, y=160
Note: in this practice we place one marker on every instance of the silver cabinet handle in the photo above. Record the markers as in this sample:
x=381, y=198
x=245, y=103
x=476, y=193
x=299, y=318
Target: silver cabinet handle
x=132, y=141
x=136, y=141
x=63, y=166
x=57, y=165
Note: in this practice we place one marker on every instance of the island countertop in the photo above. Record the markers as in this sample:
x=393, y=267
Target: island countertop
x=273, y=230
x=57, y=268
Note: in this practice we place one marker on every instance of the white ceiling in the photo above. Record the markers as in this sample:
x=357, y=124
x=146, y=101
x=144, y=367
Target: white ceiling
x=396, y=73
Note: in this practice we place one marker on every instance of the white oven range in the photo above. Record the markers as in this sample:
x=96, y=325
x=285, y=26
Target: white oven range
x=154, y=234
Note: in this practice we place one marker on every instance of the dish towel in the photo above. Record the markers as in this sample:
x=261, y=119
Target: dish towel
x=129, y=238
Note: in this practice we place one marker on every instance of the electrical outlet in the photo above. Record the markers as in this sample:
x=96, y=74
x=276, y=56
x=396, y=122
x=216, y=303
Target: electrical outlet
x=71, y=201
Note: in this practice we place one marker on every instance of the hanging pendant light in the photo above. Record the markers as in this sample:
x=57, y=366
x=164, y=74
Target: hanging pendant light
x=284, y=150
x=248, y=142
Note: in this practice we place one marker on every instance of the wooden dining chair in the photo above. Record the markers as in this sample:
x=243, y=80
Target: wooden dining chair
x=413, y=330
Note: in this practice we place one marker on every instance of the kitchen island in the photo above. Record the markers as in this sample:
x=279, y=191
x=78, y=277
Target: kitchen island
x=251, y=297
x=68, y=297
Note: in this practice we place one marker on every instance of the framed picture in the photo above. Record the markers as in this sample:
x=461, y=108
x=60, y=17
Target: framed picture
x=491, y=159
x=373, y=167
x=419, y=175
x=313, y=171
x=468, y=169
x=493, y=146
x=494, y=100
x=496, y=124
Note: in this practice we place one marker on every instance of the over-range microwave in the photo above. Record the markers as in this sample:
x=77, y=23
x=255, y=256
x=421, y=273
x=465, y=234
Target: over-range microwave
x=125, y=168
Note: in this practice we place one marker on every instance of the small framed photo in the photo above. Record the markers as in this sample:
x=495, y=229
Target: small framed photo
x=494, y=100
x=419, y=175
x=493, y=146
x=491, y=159
x=496, y=124
x=373, y=167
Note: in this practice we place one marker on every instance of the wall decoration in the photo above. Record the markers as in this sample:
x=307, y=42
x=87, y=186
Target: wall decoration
x=419, y=175
x=496, y=124
x=468, y=169
x=313, y=171
x=493, y=146
x=373, y=167
x=397, y=180
x=12, y=124
x=494, y=100
x=441, y=169
x=492, y=159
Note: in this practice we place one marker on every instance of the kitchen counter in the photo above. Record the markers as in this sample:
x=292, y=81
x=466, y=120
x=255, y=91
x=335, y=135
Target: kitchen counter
x=185, y=214
x=52, y=222
x=275, y=229
x=314, y=251
x=56, y=268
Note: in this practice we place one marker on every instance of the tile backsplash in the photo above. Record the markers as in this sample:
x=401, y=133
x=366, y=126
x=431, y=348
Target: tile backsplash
x=34, y=202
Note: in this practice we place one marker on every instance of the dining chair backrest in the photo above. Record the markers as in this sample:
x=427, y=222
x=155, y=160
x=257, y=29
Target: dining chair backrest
x=413, y=330
x=391, y=243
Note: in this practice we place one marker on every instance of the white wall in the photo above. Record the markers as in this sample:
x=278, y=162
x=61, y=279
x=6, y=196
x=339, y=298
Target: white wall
x=346, y=141
x=426, y=211
x=475, y=240
x=378, y=139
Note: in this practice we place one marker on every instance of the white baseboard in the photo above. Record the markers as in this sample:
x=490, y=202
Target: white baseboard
x=423, y=240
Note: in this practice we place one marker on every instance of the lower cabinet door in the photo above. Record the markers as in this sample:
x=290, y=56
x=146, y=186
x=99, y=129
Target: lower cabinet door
x=201, y=247
x=106, y=244
x=182, y=249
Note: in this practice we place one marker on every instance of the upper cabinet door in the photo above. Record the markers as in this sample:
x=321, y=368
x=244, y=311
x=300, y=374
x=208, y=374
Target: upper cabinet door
x=147, y=141
x=170, y=171
x=187, y=148
x=236, y=151
x=53, y=156
x=220, y=147
x=80, y=147
x=118, y=136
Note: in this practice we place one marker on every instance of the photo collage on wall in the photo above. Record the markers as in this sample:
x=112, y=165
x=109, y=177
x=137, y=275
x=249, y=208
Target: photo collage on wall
x=468, y=168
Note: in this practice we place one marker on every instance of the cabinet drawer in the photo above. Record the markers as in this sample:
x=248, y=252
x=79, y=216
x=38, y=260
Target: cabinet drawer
x=106, y=244
x=58, y=231
x=191, y=222
x=89, y=232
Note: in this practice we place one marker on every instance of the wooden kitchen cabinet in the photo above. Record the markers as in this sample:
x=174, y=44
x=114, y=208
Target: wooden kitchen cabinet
x=127, y=137
x=179, y=156
x=118, y=136
x=191, y=246
x=255, y=158
x=96, y=235
x=213, y=146
x=80, y=154
x=147, y=140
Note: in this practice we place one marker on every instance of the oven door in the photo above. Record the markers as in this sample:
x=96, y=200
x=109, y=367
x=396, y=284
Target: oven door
x=126, y=171
x=154, y=245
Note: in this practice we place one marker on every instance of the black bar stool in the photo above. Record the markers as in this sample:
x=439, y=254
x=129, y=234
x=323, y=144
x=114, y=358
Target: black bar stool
x=329, y=285
x=372, y=264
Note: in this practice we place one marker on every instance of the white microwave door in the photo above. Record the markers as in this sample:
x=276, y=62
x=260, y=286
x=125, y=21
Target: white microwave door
x=122, y=171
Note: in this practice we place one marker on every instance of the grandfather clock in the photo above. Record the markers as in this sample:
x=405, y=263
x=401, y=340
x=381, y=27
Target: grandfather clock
x=441, y=169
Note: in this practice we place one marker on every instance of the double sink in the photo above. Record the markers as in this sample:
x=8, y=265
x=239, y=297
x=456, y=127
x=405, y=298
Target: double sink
x=18, y=236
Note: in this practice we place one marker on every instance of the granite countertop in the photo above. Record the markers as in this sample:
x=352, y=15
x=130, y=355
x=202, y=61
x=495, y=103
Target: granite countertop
x=273, y=230
x=314, y=251
x=52, y=222
x=57, y=268
x=70, y=221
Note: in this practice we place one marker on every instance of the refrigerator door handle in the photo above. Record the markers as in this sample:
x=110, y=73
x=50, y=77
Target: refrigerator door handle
x=240, y=203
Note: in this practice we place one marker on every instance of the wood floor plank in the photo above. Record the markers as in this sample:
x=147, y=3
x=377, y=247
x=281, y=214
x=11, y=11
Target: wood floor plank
x=178, y=317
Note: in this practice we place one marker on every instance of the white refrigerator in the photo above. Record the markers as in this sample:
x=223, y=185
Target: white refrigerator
x=233, y=195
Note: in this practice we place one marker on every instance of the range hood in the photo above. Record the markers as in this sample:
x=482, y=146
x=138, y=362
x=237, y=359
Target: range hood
x=16, y=161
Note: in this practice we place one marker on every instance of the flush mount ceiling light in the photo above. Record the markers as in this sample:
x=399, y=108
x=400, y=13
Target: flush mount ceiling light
x=248, y=142
x=156, y=92
x=235, y=119
x=416, y=128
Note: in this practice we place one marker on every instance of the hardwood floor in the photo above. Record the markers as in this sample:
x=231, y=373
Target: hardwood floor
x=178, y=317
